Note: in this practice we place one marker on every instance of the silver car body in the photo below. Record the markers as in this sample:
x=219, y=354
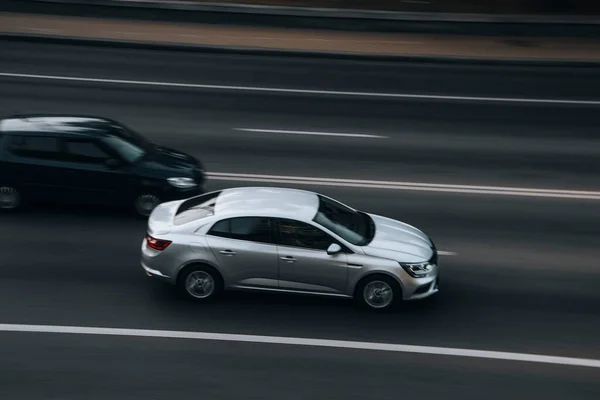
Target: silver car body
x=274, y=267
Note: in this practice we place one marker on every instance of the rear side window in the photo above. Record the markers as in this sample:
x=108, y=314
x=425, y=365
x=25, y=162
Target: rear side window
x=196, y=208
x=253, y=229
x=41, y=147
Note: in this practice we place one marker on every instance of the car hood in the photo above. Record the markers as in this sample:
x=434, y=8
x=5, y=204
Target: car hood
x=171, y=161
x=399, y=241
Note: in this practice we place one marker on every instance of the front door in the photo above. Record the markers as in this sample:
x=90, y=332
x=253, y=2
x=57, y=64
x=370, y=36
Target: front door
x=304, y=264
x=91, y=178
x=245, y=251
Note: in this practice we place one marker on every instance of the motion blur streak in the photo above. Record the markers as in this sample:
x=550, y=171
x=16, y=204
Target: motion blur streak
x=399, y=348
x=432, y=187
x=308, y=91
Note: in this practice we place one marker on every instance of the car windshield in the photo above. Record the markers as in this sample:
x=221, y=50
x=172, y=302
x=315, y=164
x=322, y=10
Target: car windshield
x=132, y=137
x=353, y=226
x=127, y=150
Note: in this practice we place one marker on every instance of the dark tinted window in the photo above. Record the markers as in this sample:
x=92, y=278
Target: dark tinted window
x=196, y=208
x=45, y=147
x=127, y=150
x=254, y=229
x=81, y=150
x=299, y=234
x=131, y=136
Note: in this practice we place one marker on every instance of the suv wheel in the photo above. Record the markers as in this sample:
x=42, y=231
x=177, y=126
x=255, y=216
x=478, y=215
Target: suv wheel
x=145, y=203
x=200, y=283
x=10, y=198
x=378, y=293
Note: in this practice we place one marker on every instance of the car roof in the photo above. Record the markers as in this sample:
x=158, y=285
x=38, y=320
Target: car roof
x=267, y=201
x=37, y=124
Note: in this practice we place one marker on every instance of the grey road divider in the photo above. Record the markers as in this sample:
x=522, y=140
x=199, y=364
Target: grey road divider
x=310, y=18
x=255, y=51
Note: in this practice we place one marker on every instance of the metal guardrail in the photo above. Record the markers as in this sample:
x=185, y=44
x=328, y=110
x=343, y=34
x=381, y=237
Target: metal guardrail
x=555, y=11
x=311, y=18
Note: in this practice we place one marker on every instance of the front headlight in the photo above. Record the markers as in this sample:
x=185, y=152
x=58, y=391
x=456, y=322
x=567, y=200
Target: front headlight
x=417, y=270
x=182, y=183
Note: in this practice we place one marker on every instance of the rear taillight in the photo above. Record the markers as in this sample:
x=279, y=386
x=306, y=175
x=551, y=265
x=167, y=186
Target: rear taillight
x=157, y=244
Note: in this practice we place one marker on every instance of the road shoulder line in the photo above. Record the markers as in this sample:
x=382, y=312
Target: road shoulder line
x=296, y=341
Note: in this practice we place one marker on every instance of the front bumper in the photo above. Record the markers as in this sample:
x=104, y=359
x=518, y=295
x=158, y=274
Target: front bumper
x=425, y=290
x=419, y=288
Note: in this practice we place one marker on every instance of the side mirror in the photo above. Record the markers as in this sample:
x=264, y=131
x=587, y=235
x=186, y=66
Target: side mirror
x=112, y=163
x=334, y=248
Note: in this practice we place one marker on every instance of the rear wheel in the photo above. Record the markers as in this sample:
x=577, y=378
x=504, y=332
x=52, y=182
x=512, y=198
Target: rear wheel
x=10, y=198
x=145, y=203
x=378, y=293
x=200, y=283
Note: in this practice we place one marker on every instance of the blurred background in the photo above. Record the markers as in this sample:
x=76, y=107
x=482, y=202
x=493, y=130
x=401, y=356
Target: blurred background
x=475, y=121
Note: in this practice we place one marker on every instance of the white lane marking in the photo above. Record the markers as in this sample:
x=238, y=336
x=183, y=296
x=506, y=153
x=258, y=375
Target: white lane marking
x=447, y=253
x=359, y=135
x=294, y=341
x=305, y=91
x=415, y=186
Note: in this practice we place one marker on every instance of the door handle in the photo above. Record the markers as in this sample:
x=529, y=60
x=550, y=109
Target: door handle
x=289, y=259
x=227, y=252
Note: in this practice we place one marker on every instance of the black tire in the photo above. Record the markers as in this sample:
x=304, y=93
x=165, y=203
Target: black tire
x=384, y=284
x=10, y=198
x=145, y=202
x=200, y=272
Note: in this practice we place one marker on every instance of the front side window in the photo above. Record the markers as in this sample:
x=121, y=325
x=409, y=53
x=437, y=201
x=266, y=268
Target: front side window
x=41, y=147
x=128, y=151
x=85, y=151
x=353, y=226
x=253, y=229
x=300, y=234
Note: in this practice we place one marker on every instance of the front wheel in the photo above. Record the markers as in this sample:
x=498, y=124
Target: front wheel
x=10, y=198
x=378, y=293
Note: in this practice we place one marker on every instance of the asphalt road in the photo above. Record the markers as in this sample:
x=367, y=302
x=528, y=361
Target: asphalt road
x=524, y=277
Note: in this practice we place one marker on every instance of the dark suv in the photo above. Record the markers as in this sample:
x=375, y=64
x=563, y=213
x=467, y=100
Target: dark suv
x=80, y=159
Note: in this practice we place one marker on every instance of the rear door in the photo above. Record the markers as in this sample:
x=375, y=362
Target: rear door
x=245, y=251
x=35, y=164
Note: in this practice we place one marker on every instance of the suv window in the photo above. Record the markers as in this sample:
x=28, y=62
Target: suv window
x=85, y=151
x=42, y=147
x=254, y=229
x=300, y=234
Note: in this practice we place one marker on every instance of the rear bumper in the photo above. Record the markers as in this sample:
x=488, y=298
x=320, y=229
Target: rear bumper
x=153, y=272
x=156, y=265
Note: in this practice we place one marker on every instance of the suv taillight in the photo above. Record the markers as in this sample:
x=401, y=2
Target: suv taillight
x=157, y=244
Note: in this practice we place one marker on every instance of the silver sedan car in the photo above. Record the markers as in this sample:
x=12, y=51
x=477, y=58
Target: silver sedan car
x=287, y=240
